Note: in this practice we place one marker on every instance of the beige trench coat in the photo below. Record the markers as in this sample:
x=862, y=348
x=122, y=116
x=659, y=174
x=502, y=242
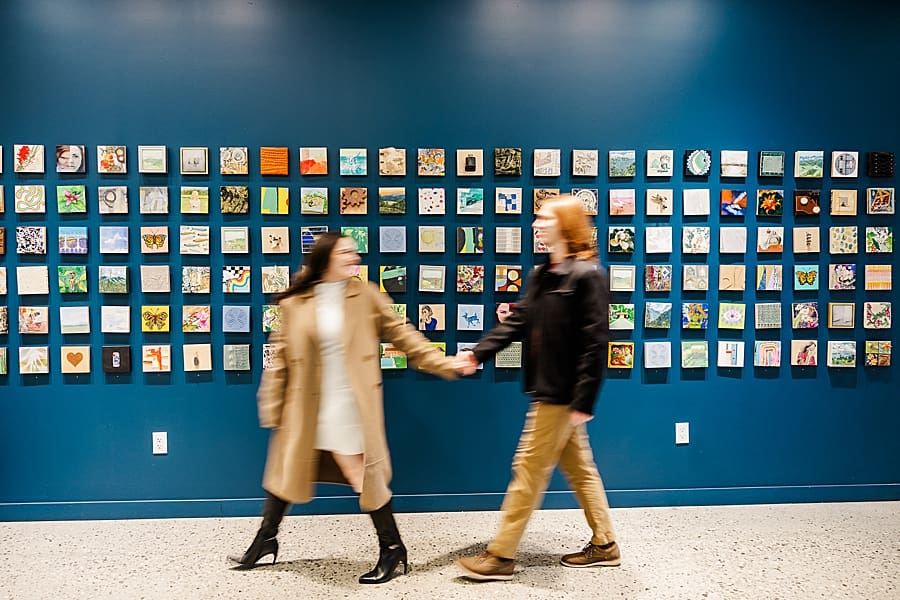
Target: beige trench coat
x=289, y=392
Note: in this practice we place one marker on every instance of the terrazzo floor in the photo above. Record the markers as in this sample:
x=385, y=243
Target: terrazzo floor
x=786, y=552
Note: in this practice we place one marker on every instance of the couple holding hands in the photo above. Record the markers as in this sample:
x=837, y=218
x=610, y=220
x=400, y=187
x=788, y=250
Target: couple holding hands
x=322, y=395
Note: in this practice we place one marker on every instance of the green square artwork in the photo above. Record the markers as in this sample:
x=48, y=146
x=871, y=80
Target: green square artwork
x=71, y=199
x=771, y=163
x=72, y=279
x=360, y=235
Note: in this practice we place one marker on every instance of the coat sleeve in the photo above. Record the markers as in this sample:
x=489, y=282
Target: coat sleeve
x=407, y=338
x=594, y=331
x=513, y=329
x=271, y=394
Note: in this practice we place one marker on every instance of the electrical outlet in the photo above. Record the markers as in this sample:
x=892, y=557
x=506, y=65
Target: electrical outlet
x=682, y=433
x=160, y=442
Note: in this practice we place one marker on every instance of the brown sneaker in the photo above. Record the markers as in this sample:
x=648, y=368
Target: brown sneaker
x=487, y=567
x=594, y=556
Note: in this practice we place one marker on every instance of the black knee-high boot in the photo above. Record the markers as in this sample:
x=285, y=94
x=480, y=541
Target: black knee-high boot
x=392, y=550
x=265, y=542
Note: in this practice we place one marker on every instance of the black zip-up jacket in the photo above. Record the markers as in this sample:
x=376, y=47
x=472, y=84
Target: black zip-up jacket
x=563, y=320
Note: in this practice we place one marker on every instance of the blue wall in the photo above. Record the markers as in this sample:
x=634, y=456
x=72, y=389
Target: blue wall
x=529, y=73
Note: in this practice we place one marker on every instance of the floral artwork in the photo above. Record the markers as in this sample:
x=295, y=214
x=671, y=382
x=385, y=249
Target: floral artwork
x=195, y=319
x=314, y=160
x=695, y=240
x=769, y=203
x=431, y=162
x=28, y=158
x=154, y=318
x=805, y=315
x=470, y=279
x=878, y=353
x=694, y=315
x=622, y=240
x=877, y=315
x=72, y=279
x=111, y=159
x=879, y=239
x=71, y=199
x=359, y=235
x=585, y=163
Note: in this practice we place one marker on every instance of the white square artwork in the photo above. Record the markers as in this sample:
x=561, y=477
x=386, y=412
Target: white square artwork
x=657, y=355
x=695, y=240
x=431, y=238
x=733, y=240
x=470, y=317
x=155, y=278
x=844, y=163
x=74, y=319
x=730, y=353
x=660, y=163
x=585, y=163
x=658, y=240
x=432, y=201
x=508, y=240
x=696, y=201
x=660, y=202
x=733, y=163
x=113, y=199
x=432, y=278
x=32, y=280
x=115, y=319
x=392, y=238
x=508, y=201
x=546, y=162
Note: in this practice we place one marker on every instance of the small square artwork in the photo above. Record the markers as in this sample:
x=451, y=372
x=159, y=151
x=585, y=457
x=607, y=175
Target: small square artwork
x=195, y=280
x=767, y=353
x=156, y=358
x=32, y=280
x=730, y=354
x=392, y=239
x=31, y=239
x=546, y=162
x=73, y=240
x=621, y=316
x=34, y=360
x=354, y=200
x=2, y=241
x=733, y=240
x=658, y=240
x=354, y=162
x=622, y=163
x=271, y=317
x=432, y=201
x=194, y=160
x=878, y=277
x=74, y=319
x=879, y=240
x=154, y=318
x=769, y=203
x=841, y=354
x=273, y=160
x=657, y=355
x=470, y=317
x=155, y=239
x=469, y=162
x=732, y=203
x=806, y=277
x=70, y=159
x=75, y=359
x=508, y=200
x=806, y=240
x=508, y=278
x=470, y=201
x=733, y=163
x=507, y=161
x=392, y=279
x=360, y=237
x=152, y=159
x=154, y=200
x=308, y=236
x=432, y=278
x=541, y=195
x=620, y=355
x=432, y=317
x=30, y=199
x=155, y=278
x=695, y=240
x=112, y=159
x=116, y=359
x=234, y=160
x=431, y=238
x=71, y=199
x=72, y=279
x=34, y=320
x=236, y=357
x=585, y=163
x=590, y=199
x=194, y=200
x=804, y=353
x=269, y=353
x=878, y=353
x=660, y=202
x=697, y=162
x=621, y=202
x=622, y=278
x=431, y=162
x=805, y=315
x=844, y=163
x=880, y=201
x=508, y=240
x=843, y=203
x=275, y=278
x=770, y=239
x=399, y=311
x=28, y=158
x=470, y=279
x=392, y=201
x=658, y=278
x=694, y=354
x=194, y=239
x=696, y=202
x=510, y=357
x=841, y=315
x=695, y=278
x=843, y=240
x=622, y=240
x=275, y=240
x=809, y=164
x=806, y=202
x=236, y=279
x=391, y=357
x=769, y=278
x=4, y=320
x=732, y=278
x=768, y=315
x=879, y=164
x=235, y=240
x=115, y=319
x=235, y=319
x=470, y=240
x=314, y=160
x=313, y=200
x=274, y=200
x=660, y=163
x=197, y=357
x=876, y=315
x=841, y=276
x=112, y=199
x=694, y=315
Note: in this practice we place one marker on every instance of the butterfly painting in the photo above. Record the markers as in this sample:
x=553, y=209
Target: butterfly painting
x=154, y=240
x=154, y=318
x=806, y=277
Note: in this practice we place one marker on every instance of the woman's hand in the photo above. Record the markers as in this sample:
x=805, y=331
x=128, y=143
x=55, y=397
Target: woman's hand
x=466, y=363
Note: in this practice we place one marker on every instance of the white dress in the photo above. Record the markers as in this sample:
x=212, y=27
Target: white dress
x=339, y=427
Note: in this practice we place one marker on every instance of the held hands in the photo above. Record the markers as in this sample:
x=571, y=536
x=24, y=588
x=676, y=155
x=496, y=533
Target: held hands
x=466, y=363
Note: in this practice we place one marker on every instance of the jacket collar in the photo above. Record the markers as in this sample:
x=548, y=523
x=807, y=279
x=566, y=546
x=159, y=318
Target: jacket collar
x=563, y=268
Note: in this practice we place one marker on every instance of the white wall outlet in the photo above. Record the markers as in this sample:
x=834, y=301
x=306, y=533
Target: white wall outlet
x=682, y=433
x=160, y=442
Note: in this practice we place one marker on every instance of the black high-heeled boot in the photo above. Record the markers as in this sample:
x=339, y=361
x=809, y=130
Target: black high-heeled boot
x=265, y=542
x=392, y=550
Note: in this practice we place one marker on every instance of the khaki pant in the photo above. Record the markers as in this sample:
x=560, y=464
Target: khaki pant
x=549, y=439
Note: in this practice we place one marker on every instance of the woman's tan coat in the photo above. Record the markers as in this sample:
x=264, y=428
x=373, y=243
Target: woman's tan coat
x=289, y=392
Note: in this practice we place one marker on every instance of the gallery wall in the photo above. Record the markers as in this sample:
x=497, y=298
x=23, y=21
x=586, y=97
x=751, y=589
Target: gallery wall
x=610, y=75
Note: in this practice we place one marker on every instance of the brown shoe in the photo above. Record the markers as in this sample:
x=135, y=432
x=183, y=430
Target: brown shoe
x=487, y=567
x=594, y=556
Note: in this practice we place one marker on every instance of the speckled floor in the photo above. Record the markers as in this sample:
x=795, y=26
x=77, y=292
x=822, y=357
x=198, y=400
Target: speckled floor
x=743, y=552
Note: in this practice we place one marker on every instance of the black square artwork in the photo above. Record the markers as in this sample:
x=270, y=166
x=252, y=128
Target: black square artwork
x=880, y=164
x=116, y=359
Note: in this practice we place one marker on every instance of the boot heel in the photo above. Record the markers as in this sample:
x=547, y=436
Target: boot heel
x=405, y=567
